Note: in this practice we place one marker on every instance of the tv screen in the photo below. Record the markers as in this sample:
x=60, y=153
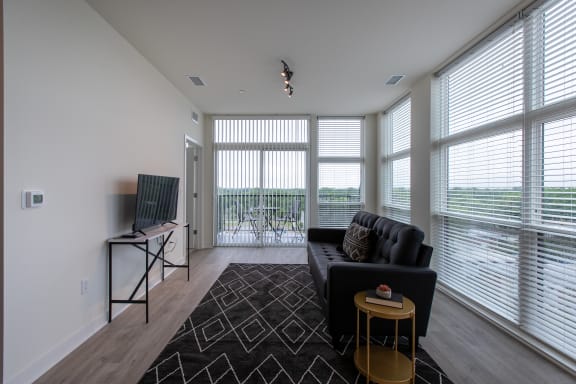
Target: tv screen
x=156, y=201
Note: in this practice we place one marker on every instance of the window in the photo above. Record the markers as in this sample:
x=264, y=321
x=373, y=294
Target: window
x=396, y=161
x=260, y=174
x=340, y=170
x=505, y=195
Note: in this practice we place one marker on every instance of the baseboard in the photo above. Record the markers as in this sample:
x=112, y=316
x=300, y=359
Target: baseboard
x=41, y=365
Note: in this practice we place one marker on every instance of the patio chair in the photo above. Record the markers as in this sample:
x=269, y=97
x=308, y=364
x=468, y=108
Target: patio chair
x=243, y=217
x=292, y=217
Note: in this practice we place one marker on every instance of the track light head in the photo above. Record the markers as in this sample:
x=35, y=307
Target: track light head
x=287, y=75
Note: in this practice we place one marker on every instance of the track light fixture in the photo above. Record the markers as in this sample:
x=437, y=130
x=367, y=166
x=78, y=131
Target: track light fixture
x=287, y=75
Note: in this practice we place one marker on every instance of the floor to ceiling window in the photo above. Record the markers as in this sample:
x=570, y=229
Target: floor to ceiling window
x=505, y=161
x=395, y=161
x=340, y=170
x=261, y=175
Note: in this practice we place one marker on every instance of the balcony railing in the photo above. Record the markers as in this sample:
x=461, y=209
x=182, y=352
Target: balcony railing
x=275, y=218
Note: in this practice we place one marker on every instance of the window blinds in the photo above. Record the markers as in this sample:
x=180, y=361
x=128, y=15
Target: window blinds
x=400, y=117
x=504, y=166
x=396, y=161
x=554, y=65
x=260, y=175
x=340, y=170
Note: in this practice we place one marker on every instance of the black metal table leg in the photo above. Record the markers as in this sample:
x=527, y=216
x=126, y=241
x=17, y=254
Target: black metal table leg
x=147, y=249
x=109, y=282
x=163, y=255
x=188, y=249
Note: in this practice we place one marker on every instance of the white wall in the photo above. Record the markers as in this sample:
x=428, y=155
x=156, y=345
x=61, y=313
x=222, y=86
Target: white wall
x=85, y=113
x=371, y=163
x=420, y=155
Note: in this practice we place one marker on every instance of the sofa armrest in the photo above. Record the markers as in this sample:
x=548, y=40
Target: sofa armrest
x=345, y=279
x=326, y=235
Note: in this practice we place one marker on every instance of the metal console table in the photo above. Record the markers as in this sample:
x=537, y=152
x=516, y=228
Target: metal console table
x=164, y=233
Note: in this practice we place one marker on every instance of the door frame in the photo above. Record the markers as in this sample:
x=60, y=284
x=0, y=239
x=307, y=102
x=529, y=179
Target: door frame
x=192, y=198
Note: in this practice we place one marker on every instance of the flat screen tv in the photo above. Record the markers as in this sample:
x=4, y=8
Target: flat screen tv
x=156, y=201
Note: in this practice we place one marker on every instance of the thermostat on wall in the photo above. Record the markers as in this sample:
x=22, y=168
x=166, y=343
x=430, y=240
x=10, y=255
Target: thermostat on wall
x=32, y=199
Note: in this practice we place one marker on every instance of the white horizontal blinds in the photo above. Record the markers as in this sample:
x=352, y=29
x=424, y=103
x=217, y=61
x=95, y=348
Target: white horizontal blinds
x=549, y=275
x=484, y=178
x=401, y=183
x=260, y=130
x=401, y=121
x=260, y=169
x=554, y=35
x=479, y=260
x=550, y=265
x=554, y=180
x=340, y=138
x=488, y=87
x=479, y=195
x=549, y=306
x=340, y=170
x=396, y=162
x=505, y=216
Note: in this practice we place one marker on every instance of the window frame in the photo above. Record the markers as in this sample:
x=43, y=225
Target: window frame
x=537, y=239
x=346, y=211
x=400, y=212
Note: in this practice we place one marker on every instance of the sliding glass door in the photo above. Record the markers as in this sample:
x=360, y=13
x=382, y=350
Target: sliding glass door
x=261, y=173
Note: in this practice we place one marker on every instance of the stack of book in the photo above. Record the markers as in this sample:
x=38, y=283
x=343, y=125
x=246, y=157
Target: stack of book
x=395, y=301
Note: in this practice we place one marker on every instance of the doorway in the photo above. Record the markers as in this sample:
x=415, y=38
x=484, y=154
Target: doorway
x=192, y=153
x=260, y=180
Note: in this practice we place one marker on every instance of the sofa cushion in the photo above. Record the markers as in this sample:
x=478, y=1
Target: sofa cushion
x=319, y=256
x=357, y=242
x=397, y=243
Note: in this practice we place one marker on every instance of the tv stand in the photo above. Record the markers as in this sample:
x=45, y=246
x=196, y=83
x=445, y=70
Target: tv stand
x=142, y=243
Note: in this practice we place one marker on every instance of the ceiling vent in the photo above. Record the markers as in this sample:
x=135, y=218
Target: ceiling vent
x=394, y=79
x=197, y=81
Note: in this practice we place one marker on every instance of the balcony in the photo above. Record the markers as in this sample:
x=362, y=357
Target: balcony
x=275, y=218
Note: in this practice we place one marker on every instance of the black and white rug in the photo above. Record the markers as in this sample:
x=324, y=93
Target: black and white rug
x=261, y=323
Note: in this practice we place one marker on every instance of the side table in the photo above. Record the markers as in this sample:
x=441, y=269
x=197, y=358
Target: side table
x=380, y=364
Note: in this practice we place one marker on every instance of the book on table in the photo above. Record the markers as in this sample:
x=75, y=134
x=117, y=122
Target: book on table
x=395, y=301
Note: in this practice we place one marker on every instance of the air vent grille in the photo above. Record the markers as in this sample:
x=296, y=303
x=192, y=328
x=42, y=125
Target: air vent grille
x=394, y=79
x=197, y=81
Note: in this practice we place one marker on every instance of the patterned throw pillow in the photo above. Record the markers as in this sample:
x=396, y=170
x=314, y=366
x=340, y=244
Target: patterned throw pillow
x=357, y=242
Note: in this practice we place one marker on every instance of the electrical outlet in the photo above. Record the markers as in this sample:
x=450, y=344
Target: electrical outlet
x=83, y=287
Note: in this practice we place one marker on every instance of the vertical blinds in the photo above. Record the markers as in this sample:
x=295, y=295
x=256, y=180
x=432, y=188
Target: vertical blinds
x=505, y=193
x=396, y=161
x=340, y=170
x=260, y=174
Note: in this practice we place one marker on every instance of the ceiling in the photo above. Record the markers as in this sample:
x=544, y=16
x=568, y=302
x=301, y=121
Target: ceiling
x=341, y=51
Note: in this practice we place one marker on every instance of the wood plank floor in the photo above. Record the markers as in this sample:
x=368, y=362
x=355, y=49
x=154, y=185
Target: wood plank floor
x=468, y=348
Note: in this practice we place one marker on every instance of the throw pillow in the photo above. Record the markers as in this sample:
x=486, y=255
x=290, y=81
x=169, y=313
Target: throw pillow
x=357, y=242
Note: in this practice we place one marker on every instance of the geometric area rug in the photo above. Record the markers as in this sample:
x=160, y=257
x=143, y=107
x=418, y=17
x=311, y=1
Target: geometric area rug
x=262, y=324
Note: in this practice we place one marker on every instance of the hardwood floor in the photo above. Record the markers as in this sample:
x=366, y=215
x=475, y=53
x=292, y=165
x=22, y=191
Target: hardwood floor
x=468, y=348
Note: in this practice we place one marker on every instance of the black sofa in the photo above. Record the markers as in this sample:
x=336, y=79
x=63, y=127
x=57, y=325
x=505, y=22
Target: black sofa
x=397, y=257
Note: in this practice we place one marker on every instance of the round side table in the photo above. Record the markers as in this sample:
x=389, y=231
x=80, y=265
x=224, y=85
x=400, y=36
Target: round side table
x=382, y=364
